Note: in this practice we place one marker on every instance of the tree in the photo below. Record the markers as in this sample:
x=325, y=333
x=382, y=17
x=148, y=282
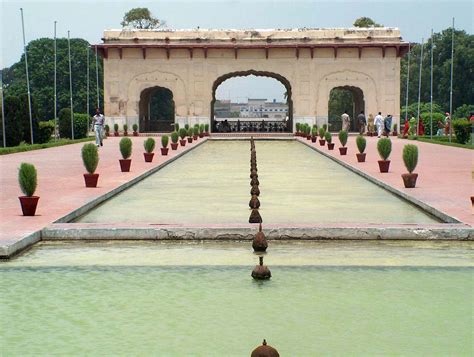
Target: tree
x=366, y=22
x=141, y=18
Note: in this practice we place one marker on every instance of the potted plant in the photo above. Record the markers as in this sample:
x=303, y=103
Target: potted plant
x=395, y=129
x=190, y=135
x=126, y=151
x=182, y=134
x=116, y=127
x=343, y=141
x=196, y=133
x=297, y=126
x=322, y=133
x=308, y=132
x=135, y=129
x=149, y=145
x=361, y=144
x=186, y=126
x=125, y=130
x=107, y=130
x=314, y=134
x=384, y=147
x=206, y=129
x=174, y=140
x=328, y=137
x=164, y=144
x=201, y=130
x=176, y=127
x=27, y=178
x=410, y=158
x=90, y=158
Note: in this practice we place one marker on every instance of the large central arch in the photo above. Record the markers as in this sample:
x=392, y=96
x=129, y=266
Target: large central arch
x=253, y=72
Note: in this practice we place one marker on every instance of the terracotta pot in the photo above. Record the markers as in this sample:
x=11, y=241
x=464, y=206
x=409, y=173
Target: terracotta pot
x=330, y=146
x=164, y=151
x=116, y=133
x=322, y=142
x=28, y=205
x=135, y=133
x=201, y=135
x=384, y=165
x=409, y=180
x=395, y=133
x=313, y=139
x=360, y=157
x=174, y=146
x=207, y=133
x=91, y=180
x=148, y=156
x=195, y=137
x=190, y=139
x=182, y=142
x=308, y=137
x=107, y=134
x=343, y=150
x=125, y=164
x=125, y=133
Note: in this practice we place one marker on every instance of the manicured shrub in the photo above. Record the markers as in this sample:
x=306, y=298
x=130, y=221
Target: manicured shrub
x=206, y=128
x=361, y=143
x=322, y=132
x=176, y=127
x=182, y=133
x=27, y=178
x=426, y=122
x=410, y=157
x=328, y=137
x=325, y=127
x=307, y=130
x=45, y=130
x=462, y=128
x=116, y=127
x=90, y=157
x=343, y=137
x=384, y=147
x=149, y=145
x=186, y=126
x=107, y=129
x=174, y=137
x=395, y=127
x=164, y=141
x=195, y=131
x=80, y=124
x=298, y=127
x=135, y=127
x=201, y=129
x=125, y=147
x=314, y=132
x=192, y=130
x=125, y=128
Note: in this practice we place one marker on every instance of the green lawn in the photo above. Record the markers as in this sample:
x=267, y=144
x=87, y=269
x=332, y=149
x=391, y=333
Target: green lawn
x=27, y=147
x=444, y=140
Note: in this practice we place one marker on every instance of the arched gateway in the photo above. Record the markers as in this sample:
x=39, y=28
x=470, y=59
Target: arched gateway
x=190, y=64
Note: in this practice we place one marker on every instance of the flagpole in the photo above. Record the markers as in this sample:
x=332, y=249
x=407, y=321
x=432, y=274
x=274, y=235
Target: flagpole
x=97, y=77
x=56, y=134
x=70, y=85
x=27, y=77
x=451, y=87
x=3, y=111
x=431, y=87
x=408, y=81
x=87, y=106
x=419, y=89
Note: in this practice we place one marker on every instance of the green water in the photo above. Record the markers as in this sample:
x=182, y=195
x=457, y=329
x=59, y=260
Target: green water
x=211, y=185
x=325, y=298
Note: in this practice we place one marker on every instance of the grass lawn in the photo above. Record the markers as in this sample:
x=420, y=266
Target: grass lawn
x=27, y=147
x=444, y=140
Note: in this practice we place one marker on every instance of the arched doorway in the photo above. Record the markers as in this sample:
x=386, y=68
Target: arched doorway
x=157, y=110
x=345, y=98
x=263, y=121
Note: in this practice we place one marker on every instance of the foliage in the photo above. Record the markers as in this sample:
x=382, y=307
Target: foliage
x=116, y=127
x=135, y=128
x=462, y=128
x=149, y=145
x=444, y=140
x=90, y=157
x=410, y=157
x=343, y=137
x=174, y=137
x=361, y=143
x=426, y=122
x=176, y=127
x=196, y=130
x=141, y=18
x=125, y=147
x=201, y=129
x=17, y=120
x=107, y=128
x=464, y=111
x=366, y=22
x=164, y=141
x=322, y=132
x=298, y=125
x=45, y=131
x=384, y=147
x=314, y=132
x=186, y=126
x=328, y=137
x=206, y=128
x=27, y=178
x=80, y=124
x=182, y=133
x=125, y=128
x=29, y=147
x=340, y=99
x=191, y=131
x=307, y=129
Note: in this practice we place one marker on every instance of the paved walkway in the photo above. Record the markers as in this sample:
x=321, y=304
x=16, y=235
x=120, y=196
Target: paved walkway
x=61, y=183
x=445, y=173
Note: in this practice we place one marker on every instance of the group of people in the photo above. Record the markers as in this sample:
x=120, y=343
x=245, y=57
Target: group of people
x=383, y=126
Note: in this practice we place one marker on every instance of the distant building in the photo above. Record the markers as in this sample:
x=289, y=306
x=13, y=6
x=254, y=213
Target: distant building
x=254, y=108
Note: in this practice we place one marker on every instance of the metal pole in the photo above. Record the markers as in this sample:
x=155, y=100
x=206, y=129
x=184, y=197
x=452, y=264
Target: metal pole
x=97, y=77
x=27, y=77
x=431, y=87
x=70, y=85
x=3, y=111
x=419, y=89
x=87, y=105
x=56, y=134
x=451, y=88
x=408, y=81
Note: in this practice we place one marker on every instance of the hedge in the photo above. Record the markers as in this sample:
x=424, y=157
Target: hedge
x=462, y=128
x=80, y=124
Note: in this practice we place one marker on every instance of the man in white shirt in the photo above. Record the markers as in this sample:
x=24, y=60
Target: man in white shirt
x=379, y=124
x=346, y=119
x=98, y=122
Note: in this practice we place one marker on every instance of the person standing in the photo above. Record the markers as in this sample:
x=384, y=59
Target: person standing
x=346, y=120
x=447, y=123
x=362, y=122
x=379, y=124
x=387, y=123
x=98, y=122
x=370, y=124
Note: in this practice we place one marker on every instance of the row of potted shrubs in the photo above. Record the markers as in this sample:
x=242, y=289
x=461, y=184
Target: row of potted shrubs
x=27, y=176
x=198, y=129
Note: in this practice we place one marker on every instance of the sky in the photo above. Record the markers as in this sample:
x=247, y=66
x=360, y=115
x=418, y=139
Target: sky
x=88, y=18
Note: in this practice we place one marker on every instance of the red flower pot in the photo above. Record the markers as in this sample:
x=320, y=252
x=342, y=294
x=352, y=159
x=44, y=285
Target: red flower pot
x=395, y=133
x=91, y=180
x=206, y=133
x=308, y=137
x=125, y=165
x=28, y=205
x=409, y=180
x=190, y=139
x=182, y=142
x=201, y=135
x=384, y=165
x=313, y=139
x=135, y=133
x=330, y=146
x=164, y=151
x=148, y=156
x=116, y=133
x=174, y=146
x=343, y=150
x=107, y=134
x=125, y=133
x=322, y=142
x=360, y=157
x=195, y=137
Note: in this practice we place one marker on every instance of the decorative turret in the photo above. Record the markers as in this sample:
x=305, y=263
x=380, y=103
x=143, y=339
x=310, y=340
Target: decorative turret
x=254, y=202
x=255, y=190
x=265, y=351
x=259, y=243
x=261, y=272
